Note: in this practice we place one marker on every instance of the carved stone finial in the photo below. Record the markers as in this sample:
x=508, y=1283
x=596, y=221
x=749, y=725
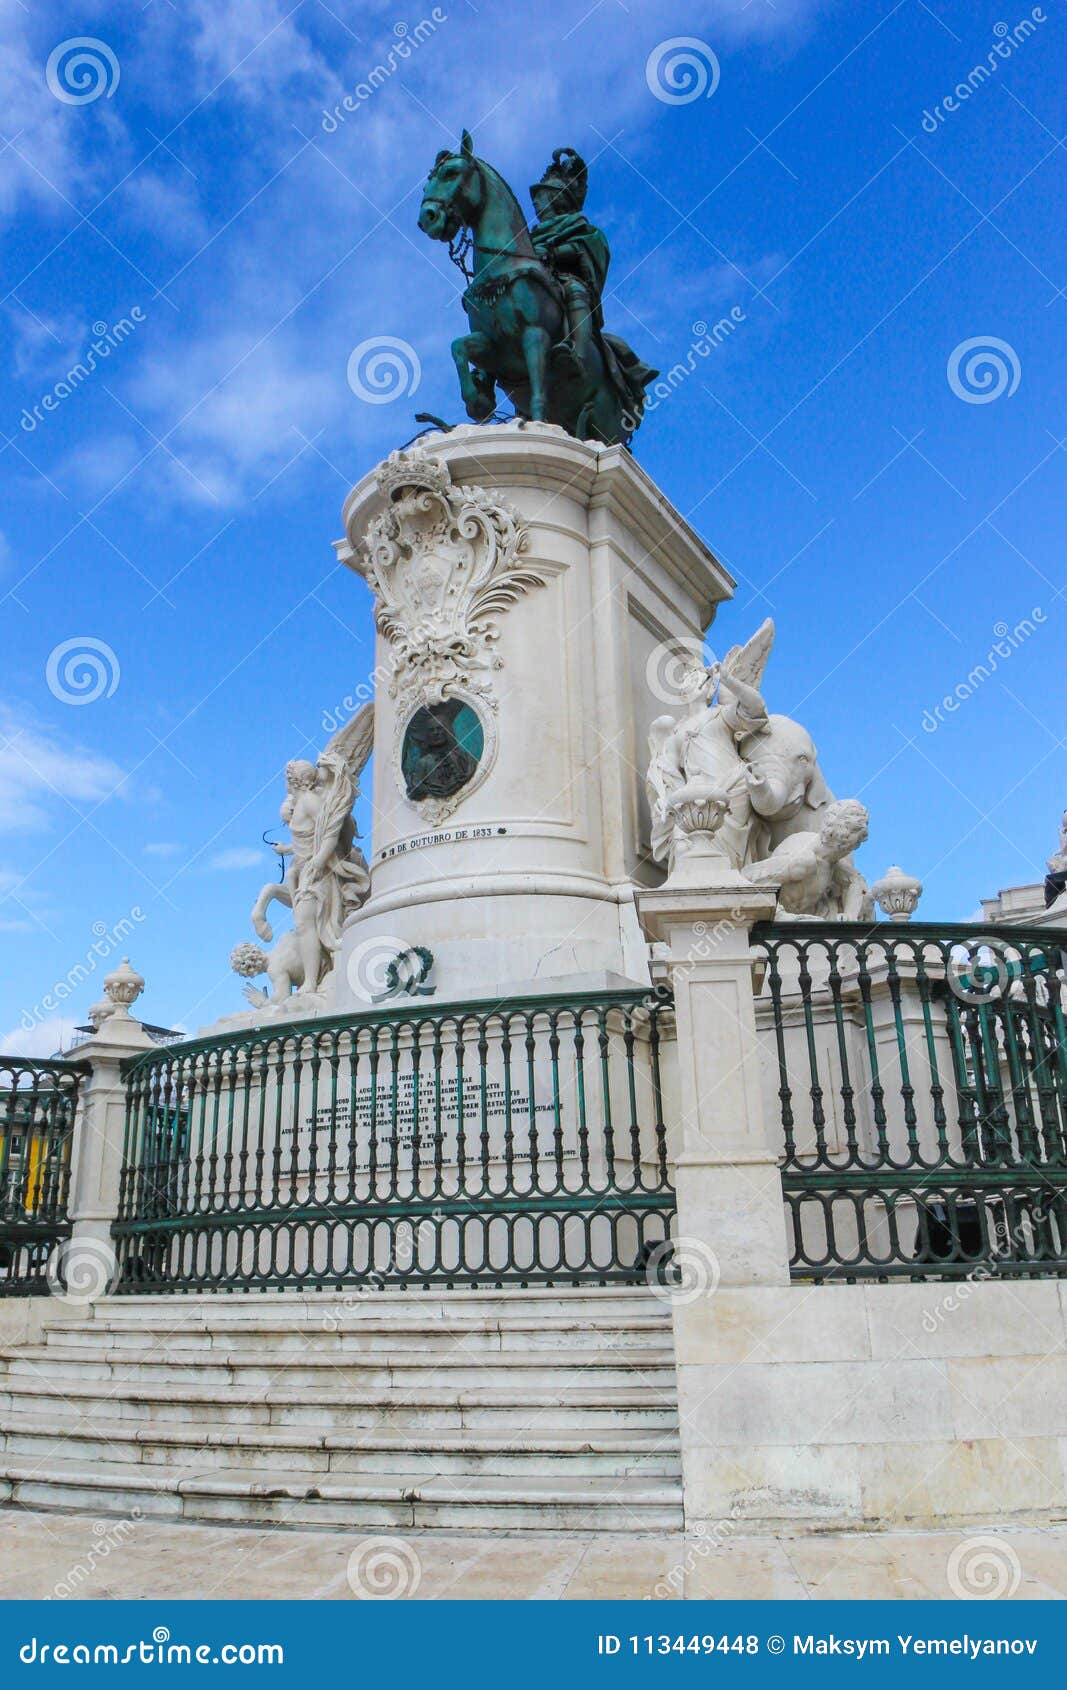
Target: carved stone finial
x=123, y=986
x=897, y=894
x=697, y=811
x=97, y=1013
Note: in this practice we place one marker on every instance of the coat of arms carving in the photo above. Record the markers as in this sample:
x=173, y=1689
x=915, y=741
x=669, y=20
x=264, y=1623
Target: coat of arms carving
x=445, y=562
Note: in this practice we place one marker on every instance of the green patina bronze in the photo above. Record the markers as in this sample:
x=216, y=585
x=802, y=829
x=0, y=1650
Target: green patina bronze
x=534, y=298
x=442, y=747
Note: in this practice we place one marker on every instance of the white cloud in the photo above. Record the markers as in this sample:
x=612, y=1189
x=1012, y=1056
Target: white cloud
x=282, y=295
x=163, y=848
x=45, y=344
x=237, y=857
x=39, y=769
x=44, y=1038
x=102, y=462
x=51, y=161
x=256, y=48
x=170, y=209
x=240, y=407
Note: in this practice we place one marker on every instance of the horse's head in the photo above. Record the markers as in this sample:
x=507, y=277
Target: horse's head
x=454, y=193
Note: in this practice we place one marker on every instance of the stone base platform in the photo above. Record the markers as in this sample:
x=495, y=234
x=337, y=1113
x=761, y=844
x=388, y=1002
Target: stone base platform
x=874, y=1406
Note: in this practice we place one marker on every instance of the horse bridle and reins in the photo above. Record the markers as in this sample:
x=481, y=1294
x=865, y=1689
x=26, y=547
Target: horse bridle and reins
x=459, y=250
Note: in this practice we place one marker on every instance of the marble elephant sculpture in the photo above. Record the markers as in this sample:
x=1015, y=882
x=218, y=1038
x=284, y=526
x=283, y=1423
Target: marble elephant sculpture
x=786, y=787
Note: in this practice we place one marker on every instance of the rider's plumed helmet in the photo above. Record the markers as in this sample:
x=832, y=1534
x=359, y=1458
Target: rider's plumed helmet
x=565, y=181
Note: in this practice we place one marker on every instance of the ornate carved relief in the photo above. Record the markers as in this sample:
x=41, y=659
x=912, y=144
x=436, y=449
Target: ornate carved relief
x=444, y=563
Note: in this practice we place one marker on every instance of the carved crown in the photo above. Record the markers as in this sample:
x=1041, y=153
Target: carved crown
x=413, y=469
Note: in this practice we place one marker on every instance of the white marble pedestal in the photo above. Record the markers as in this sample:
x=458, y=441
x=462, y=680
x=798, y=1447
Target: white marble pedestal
x=529, y=876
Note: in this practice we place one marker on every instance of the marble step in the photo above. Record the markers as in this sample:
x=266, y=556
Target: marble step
x=574, y=1304
x=473, y=1333
x=538, y=1502
x=305, y=1450
x=425, y=1407
x=264, y=1368
x=511, y=1409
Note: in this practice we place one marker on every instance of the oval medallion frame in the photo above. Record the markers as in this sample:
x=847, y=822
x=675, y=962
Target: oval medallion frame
x=439, y=809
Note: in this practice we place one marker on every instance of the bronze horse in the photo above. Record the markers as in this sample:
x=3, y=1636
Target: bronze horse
x=516, y=312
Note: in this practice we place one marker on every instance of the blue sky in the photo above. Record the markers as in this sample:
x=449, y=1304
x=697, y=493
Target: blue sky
x=174, y=512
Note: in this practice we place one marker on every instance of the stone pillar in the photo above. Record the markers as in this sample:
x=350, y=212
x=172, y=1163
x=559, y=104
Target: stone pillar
x=727, y=1180
x=88, y=1260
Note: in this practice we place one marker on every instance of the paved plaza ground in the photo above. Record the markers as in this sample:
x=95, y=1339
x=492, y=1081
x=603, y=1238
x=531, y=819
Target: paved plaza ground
x=76, y=1556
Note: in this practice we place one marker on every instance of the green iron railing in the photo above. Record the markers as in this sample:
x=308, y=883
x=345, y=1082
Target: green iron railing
x=919, y=1075
x=482, y=1143
x=38, y=1102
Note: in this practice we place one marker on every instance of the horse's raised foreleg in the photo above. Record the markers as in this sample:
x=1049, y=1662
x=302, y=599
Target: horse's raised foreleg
x=476, y=385
x=536, y=345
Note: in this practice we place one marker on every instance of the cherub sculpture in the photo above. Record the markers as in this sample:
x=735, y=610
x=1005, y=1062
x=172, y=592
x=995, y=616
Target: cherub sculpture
x=327, y=875
x=696, y=758
x=814, y=870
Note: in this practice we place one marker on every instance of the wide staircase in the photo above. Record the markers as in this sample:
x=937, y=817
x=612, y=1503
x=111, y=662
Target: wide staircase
x=528, y=1409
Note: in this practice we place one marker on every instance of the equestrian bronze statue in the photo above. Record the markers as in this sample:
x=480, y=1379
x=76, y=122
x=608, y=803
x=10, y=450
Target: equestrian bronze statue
x=534, y=298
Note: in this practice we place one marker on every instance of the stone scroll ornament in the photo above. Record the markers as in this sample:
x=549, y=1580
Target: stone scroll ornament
x=444, y=562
